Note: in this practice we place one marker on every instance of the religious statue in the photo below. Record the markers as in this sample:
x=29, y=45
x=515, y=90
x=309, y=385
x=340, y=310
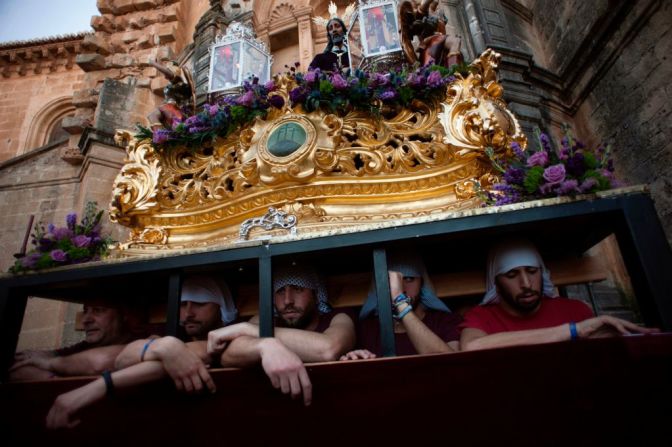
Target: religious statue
x=437, y=41
x=335, y=56
x=178, y=96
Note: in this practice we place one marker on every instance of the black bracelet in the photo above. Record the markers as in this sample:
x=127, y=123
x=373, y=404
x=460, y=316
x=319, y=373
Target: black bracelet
x=109, y=385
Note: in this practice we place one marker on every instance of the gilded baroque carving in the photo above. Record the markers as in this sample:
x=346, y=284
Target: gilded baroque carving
x=320, y=167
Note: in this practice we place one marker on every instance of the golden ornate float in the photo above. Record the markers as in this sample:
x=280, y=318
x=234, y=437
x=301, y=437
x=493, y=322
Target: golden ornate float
x=319, y=169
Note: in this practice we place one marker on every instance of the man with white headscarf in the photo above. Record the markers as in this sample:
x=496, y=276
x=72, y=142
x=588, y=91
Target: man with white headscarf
x=520, y=306
x=423, y=323
x=306, y=330
x=206, y=304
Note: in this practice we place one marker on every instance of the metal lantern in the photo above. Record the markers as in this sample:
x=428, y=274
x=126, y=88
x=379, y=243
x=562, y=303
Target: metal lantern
x=374, y=38
x=235, y=57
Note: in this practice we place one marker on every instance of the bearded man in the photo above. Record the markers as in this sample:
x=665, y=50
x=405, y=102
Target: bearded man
x=521, y=308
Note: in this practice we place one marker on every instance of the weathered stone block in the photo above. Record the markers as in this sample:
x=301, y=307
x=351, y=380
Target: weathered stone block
x=121, y=60
x=122, y=6
x=157, y=85
x=142, y=5
x=90, y=61
x=104, y=6
x=102, y=24
x=96, y=44
x=75, y=124
x=85, y=98
x=129, y=37
x=116, y=99
x=164, y=33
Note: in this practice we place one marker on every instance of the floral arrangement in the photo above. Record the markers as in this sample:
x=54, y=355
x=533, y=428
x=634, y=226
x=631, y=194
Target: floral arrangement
x=573, y=169
x=335, y=92
x=73, y=244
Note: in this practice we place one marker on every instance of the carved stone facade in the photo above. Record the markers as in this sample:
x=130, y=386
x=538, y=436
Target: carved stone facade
x=600, y=66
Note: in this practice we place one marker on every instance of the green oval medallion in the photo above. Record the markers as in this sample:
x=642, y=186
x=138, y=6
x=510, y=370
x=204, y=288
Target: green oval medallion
x=286, y=139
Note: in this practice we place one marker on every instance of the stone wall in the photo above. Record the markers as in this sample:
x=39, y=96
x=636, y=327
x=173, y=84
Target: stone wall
x=36, y=75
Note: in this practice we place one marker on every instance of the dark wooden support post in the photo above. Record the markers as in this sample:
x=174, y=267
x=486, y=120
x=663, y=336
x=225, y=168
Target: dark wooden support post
x=265, y=296
x=12, y=308
x=173, y=310
x=384, y=303
x=648, y=258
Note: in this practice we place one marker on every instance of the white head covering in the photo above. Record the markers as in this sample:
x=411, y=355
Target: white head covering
x=408, y=264
x=204, y=289
x=303, y=276
x=510, y=255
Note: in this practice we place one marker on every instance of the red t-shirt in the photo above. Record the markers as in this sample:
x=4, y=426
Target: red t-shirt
x=492, y=318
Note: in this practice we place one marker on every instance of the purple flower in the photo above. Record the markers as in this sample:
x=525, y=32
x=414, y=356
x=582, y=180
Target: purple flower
x=62, y=233
x=71, y=220
x=539, y=158
x=81, y=241
x=379, y=79
x=30, y=261
x=514, y=176
x=276, y=101
x=270, y=86
x=51, y=227
x=312, y=76
x=588, y=184
x=545, y=142
x=415, y=80
x=58, y=255
x=246, y=99
x=434, y=79
x=568, y=186
x=297, y=95
x=339, y=82
x=160, y=136
x=212, y=110
x=388, y=95
x=554, y=174
x=517, y=150
x=576, y=165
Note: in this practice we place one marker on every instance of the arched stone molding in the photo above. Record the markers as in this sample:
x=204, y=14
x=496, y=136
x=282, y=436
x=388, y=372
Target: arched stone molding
x=46, y=120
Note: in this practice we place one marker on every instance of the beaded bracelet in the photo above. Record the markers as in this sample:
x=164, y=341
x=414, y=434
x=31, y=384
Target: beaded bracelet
x=572, y=331
x=403, y=313
x=401, y=298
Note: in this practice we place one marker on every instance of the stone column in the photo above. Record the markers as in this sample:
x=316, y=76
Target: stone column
x=306, y=49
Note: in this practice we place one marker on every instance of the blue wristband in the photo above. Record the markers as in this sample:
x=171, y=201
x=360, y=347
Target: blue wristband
x=404, y=312
x=144, y=349
x=572, y=331
x=401, y=298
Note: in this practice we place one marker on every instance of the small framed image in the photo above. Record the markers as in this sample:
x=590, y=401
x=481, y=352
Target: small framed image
x=379, y=28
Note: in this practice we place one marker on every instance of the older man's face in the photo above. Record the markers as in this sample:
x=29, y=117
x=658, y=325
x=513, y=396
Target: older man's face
x=521, y=288
x=296, y=305
x=103, y=325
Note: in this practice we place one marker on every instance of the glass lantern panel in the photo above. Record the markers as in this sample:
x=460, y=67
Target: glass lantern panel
x=255, y=63
x=225, y=67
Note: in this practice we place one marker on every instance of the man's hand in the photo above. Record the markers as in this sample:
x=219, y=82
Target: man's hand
x=606, y=326
x=38, y=359
x=358, y=354
x=218, y=338
x=185, y=367
x=61, y=414
x=285, y=369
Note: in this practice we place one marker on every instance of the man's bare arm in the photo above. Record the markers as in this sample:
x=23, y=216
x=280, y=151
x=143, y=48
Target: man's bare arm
x=90, y=362
x=63, y=412
x=310, y=346
x=423, y=339
x=473, y=339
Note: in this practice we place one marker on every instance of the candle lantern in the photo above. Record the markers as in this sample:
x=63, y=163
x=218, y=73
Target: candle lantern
x=235, y=57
